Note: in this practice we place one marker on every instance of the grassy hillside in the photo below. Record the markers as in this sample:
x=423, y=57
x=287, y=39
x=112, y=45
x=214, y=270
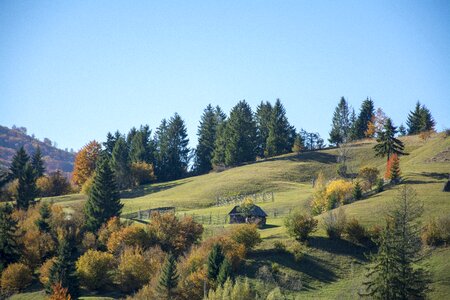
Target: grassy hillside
x=330, y=269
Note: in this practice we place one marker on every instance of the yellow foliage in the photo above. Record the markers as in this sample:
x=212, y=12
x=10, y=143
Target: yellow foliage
x=94, y=269
x=142, y=173
x=15, y=277
x=85, y=162
x=339, y=190
x=113, y=225
x=133, y=235
x=245, y=234
x=44, y=270
x=326, y=197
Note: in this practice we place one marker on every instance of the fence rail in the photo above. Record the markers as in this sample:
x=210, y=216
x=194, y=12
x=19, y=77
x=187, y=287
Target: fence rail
x=257, y=198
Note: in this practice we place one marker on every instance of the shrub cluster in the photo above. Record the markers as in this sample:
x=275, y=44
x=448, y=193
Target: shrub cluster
x=300, y=225
x=437, y=231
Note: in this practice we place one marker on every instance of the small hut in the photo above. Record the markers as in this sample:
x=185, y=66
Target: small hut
x=447, y=186
x=254, y=215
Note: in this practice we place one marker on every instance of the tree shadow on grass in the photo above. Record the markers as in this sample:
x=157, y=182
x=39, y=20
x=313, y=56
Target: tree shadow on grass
x=308, y=265
x=144, y=190
x=268, y=226
x=317, y=156
x=435, y=175
x=340, y=247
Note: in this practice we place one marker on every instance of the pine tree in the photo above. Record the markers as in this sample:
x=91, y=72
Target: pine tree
x=414, y=120
x=365, y=116
x=121, y=163
x=357, y=191
x=133, y=131
x=263, y=118
x=394, y=169
x=37, y=163
x=63, y=269
x=45, y=214
x=225, y=272
x=111, y=141
x=340, y=130
x=298, y=144
x=392, y=274
x=427, y=122
x=168, y=279
x=220, y=145
x=20, y=159
x=207, y=134
x=215, y=260
x=9, y=249
x=162, y=151
x=241, y=135
x=278, y=139
x=387, y=143
x=142, y=148
x=103, y=202
x=26, y=190
x=402, y=130
x=178, y=151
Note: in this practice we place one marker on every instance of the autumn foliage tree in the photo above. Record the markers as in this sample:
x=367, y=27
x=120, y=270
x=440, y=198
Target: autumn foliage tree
x=85, y=163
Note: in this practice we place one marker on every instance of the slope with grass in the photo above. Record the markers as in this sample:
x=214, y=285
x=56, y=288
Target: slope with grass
x=329, y=269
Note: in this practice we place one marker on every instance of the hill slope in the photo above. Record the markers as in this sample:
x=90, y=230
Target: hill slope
x=13, y=139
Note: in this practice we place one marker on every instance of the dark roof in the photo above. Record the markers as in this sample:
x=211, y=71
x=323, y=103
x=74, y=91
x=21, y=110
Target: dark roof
x=255, y=211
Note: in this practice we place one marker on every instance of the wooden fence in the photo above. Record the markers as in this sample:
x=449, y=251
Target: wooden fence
x=238, y=199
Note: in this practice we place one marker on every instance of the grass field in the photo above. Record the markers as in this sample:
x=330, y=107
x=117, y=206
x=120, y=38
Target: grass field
x=331, y=269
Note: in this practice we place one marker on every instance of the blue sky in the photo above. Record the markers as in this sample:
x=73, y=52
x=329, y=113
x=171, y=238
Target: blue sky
x=74, y=70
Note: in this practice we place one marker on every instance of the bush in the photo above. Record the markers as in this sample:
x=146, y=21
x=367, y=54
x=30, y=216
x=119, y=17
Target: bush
x=246, y=234
x=356, y=232
x=134, y=235
x=369, y=176
x=135, y=269
x=298, y=251
x=437, y=231
x=299, y=225
x=279, y=246
x=15, y=277
x=104, y=233
x=334, y=223
x=54, y=184
x=380, y=185
x=94, y=269
x=142, y=173
x=60, y=293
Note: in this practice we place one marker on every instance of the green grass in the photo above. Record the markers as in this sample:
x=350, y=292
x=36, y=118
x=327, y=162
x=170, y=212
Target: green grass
x=331, y=270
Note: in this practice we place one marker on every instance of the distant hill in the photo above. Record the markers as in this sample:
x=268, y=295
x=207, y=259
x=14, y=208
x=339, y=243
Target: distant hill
x=13, y=139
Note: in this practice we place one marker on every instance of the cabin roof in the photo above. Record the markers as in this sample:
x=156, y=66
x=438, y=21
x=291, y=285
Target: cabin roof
x=254, y=211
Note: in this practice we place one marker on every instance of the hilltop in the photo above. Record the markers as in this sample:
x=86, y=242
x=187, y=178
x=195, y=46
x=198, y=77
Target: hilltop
x=13, y=139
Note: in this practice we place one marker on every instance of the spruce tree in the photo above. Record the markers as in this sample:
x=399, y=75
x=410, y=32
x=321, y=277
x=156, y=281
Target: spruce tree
x=414, y=119
x=220, y=144
x=20, y=159
x=45, y=214
x=427, y=122
x=103, y=202
x=241, y=135
x=215, y=260
x=110, y=142
x=393, y=274
x=340, y=127
x=141, y=149
x=9, y=249
x=278, y=140
x=162, y=151
x=37, y=163
x=168, y=279
x=365, y=116
x=402, y=130
x=357, y=191
x=387, y=143
x=225, y=272
x=394, y=169
x=121, y=163
x=63, y=269
x=26, y=190
x=178, y=151
x=263, y=118
x=207, y=132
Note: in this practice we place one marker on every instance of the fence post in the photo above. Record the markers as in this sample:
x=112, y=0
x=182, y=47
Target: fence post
x=273, y=199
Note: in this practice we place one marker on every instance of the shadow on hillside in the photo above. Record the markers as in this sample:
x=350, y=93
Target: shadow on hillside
x=435, y=175
x=339, y=246
x=144, y=190
x=321, y=157
x=268, y=226
x=308, y=265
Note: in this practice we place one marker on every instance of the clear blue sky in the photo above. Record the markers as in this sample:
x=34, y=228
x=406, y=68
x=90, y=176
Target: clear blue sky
x=74, y=70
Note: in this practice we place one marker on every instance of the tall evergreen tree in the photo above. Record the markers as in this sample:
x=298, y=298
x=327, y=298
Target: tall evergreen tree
x=168, y=279
x=207, y=134
x=111, y=141
x=63, y=269
x=241, y=135
x=215, y=260
x=263, y=118
x=414, y=119
x=20, y=159
x=279, y=138
x=387, y=143
x=225, y=272
x=121, y=163
x=133, y=131
x=402, y=130
x=427, y=122
x=218, y=158
x=9, y=249
x=103, y=202
x=392, y=274
x=37, y=163
x=26, y=190
x=341, y=124
x=178, y=151
x=162, y=151
x=365, y=116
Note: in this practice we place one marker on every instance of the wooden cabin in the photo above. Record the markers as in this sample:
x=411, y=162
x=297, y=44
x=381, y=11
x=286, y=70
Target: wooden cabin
x=255, y=216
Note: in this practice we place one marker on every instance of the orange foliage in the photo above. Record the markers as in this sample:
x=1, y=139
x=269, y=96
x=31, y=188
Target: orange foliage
x=113, y=225
x=370, y=132
x=59, y=293
x=134, y=235
x=85, y=162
